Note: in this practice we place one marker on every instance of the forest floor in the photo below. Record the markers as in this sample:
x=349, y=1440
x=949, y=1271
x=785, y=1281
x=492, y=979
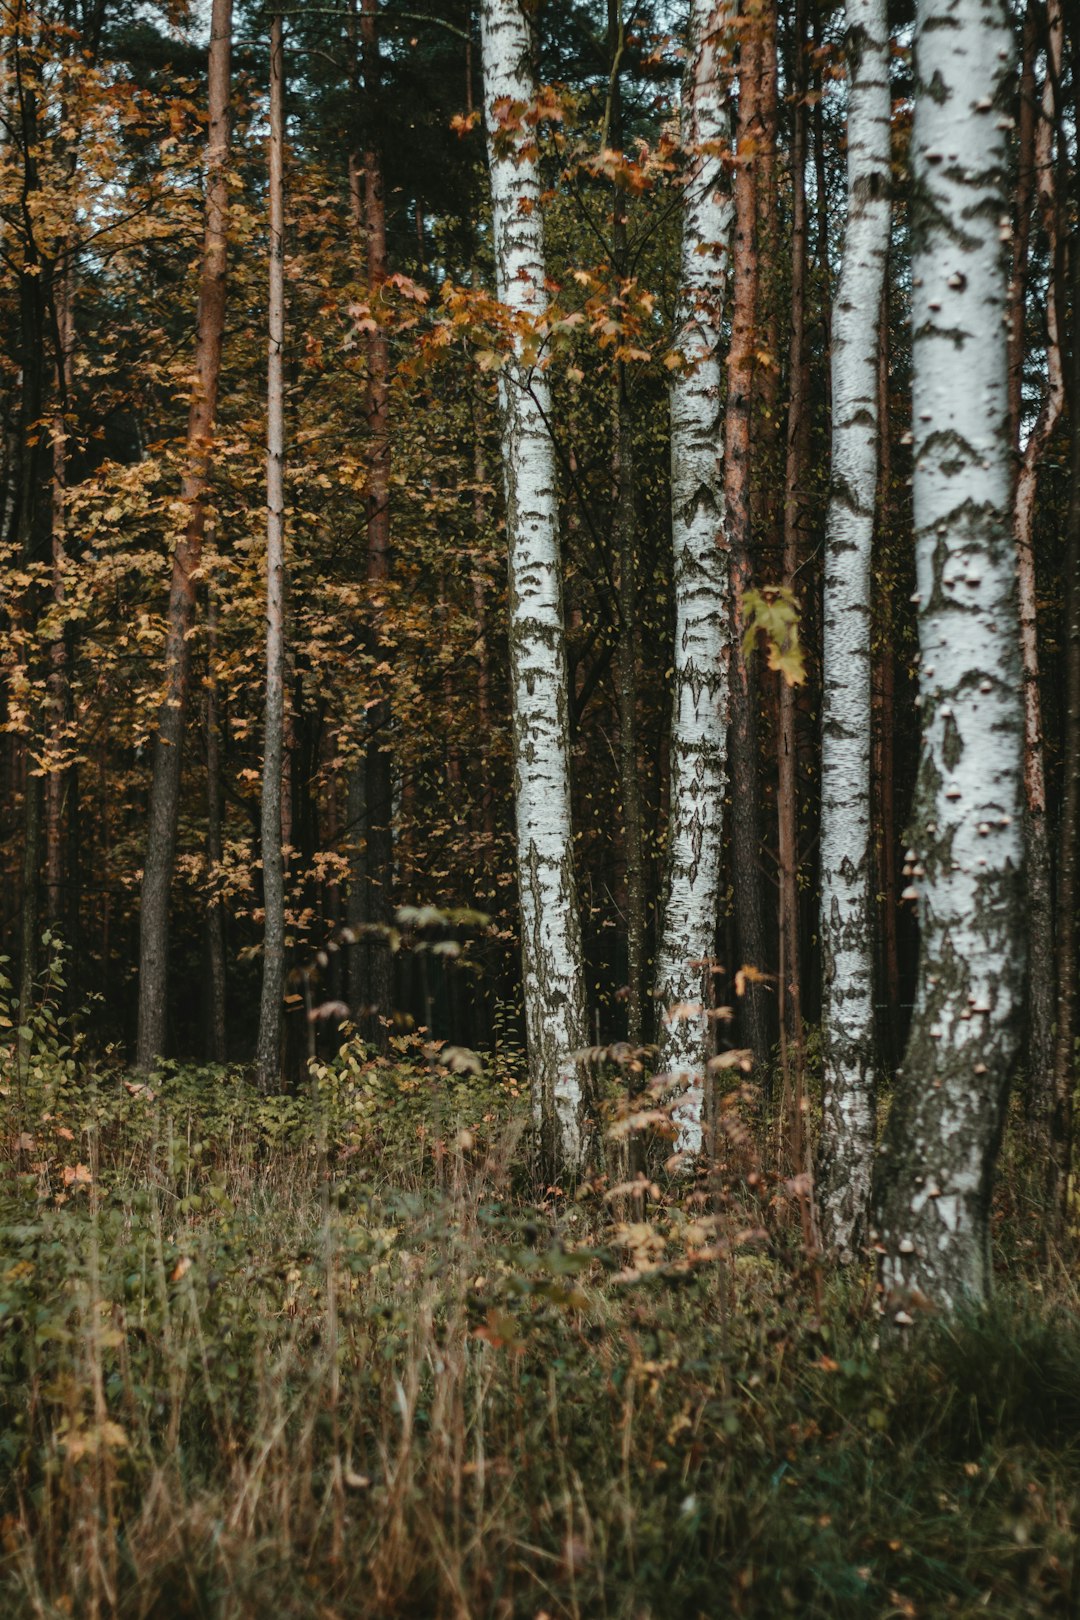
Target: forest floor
x=333, y=1357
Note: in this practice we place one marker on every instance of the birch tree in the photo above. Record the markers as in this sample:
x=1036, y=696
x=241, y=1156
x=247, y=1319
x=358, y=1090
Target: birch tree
x=846, y=915
x=948, y=1112
x=553, y=970
x=268, y=1059
x=164, y=806
x=702, y=623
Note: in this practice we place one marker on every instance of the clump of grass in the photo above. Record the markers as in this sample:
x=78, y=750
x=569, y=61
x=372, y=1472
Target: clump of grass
x=252, y=1360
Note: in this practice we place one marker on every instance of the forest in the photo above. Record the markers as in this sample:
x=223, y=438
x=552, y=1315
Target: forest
x=540, y=805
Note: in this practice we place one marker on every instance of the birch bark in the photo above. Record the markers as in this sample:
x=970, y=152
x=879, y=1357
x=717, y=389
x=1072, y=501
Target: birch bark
x=847, y=1144
x=948, y=1111
x=553, y=969
x=699, y=541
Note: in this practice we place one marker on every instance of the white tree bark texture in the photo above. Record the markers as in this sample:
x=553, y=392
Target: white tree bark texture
x=702, y=610
x=847, y=936
x=553, y=969
x=945, y=1123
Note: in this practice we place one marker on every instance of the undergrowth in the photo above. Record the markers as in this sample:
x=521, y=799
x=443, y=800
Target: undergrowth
x=337, y=1356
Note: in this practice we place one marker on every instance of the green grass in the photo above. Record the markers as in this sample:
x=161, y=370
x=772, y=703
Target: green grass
x=243, y=1374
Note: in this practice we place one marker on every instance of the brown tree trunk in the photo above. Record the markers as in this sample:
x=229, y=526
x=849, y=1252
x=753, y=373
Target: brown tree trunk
x=1036, y=158
x=479, y=595
x=32, y=513
x=626, y=680
x=884, y=742
x=743, y=741
x=168, y=742
x=480, y=525
x=787, y=793
x=1068, y=895
x=767, y=494
x=57, y=686
x=1025, y=188
x=216, y=1043
x=268, y=1052
x=371, y=981
x=625, y=547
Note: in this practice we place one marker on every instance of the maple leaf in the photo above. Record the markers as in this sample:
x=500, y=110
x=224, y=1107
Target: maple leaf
x=774, y=612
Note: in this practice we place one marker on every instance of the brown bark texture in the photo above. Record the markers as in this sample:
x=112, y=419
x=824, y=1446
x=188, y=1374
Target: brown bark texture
x=187, y=560
x=268, y=1054
x=743, y=737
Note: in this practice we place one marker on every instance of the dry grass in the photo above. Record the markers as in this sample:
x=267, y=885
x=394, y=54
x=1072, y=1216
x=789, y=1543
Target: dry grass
x=254, y=1360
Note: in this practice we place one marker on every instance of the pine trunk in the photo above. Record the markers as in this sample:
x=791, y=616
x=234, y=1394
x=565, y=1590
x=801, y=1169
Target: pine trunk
x=883, y=773
x=214, y=921
x=57, y=700
x=743, y=733
x=32, y=514
x=787, y=750
x=268, y=1052
x=553, y=967
x=164, y=805
x=371, y=976
x=948, y=1110
x=847, y=934
x=1068, y=895
x=1040, y=900
x=625, y=545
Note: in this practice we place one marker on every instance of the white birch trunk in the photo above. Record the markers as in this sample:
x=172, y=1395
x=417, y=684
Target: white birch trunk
x=947, y=1115
x=554, y=976
x=847, y=1144
x=702, y=619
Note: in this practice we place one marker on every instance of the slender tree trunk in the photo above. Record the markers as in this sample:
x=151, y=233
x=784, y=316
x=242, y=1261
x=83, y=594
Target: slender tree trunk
x=480, y=527
x=787, y=789
x=702, y=652
x=1068, y=896
x=479, y=595
x=216, y=1043
x=821, y=197
x=847, y=934
x=948, y=1110
x=626, y=543
x=1026, y=120
x=625, y=546
x=554, y=978
x=743, y=738
x=356, y=788
x=883, y=774
x=168, y=742
x=768, y=493
x=56, y=704
x=268, y=1052
x=371, y=979
x=1039, y=908
x=32, y=511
